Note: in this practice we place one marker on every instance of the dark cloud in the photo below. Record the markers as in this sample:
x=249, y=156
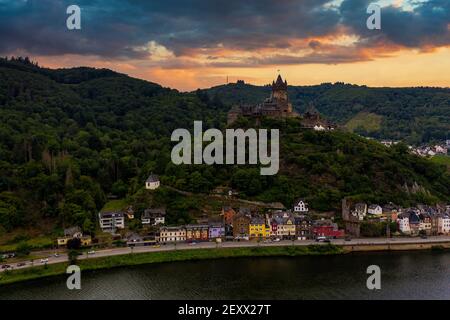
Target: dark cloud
x=427, y=25
x=115, y=29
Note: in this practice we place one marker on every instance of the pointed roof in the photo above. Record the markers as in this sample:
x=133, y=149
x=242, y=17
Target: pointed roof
x=152, y=178
x=279, y=84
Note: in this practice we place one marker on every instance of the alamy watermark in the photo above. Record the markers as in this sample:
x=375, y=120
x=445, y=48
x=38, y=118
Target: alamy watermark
x=73, y=22
x=374, y=280
x=74, y=280
x=374, y=20
x=214, y=152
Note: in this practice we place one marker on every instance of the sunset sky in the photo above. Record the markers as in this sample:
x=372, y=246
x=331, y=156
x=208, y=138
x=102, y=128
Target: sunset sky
x=198, y=43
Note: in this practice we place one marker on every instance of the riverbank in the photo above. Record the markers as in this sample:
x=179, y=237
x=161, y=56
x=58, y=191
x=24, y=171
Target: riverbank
x=13, y=276
x=120, y=257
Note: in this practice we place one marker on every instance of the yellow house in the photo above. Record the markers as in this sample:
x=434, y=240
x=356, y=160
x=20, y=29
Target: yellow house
x=85, y=241
x=258, y=228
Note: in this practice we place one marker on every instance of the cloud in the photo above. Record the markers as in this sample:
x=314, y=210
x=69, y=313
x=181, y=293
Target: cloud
x=180, y=33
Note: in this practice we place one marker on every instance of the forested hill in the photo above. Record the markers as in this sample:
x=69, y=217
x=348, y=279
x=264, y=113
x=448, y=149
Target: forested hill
x=71, y=137
x=415, y=115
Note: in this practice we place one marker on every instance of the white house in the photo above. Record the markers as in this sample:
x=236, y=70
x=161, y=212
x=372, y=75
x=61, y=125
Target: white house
x=152, y=182
x=444, y=225
x=172, y=234
x=403, y=224
x=153, y=216
x=110, y=221
x=300, y=206
x=360, y=210
x=375, y=209
x=319, y=128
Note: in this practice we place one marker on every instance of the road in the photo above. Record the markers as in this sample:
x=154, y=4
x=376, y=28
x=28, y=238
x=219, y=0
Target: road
x=209, y=245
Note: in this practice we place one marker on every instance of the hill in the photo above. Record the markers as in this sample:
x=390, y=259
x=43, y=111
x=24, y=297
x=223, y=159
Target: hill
x=414, y=115
x=69, y=138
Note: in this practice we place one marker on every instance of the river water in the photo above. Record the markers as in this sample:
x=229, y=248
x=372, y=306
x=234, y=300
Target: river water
x=404, y=275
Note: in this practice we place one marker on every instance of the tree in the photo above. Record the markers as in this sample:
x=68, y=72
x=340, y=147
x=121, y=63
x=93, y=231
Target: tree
x=23, y=249
x=74, y=244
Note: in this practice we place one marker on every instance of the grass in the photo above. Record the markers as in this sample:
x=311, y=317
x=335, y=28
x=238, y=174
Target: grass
x=115, y=205
x=166, y=256
x=442, y=159
x=369, y=121
x=42, y=242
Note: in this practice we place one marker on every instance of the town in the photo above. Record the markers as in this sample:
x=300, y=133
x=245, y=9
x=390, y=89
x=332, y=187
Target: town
x=272, y=225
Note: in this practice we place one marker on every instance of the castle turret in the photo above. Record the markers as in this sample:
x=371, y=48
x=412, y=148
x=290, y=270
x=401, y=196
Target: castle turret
x=279, y=89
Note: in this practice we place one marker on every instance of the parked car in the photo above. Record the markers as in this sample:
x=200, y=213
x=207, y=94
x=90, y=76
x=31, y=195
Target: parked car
x=6, y=266
x=44, y=260
x=21, y=264
x=322, y=239
x=276, y=240
x=91, y=252
x=348, y=238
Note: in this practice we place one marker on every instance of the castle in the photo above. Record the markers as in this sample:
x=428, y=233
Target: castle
x=276, y=106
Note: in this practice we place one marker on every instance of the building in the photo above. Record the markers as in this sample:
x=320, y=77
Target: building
x=351, y=221
x=301, y=207
x=228, y=214
x=414, y=222
x=276, y=106
x=197, y=232
x=258, y=228
x=72, y=233
x=283, y=226
x=152, y=182
x=327, y=229
x=241, y=223
x=303, y=227
x=375, y=209
x=425, y=224
x=216, y=231
x=360, y=210
x=130, y=212
x=403, y=224
x=110, y=221
x=444, y=224
x=154, y=216
x=172, y=234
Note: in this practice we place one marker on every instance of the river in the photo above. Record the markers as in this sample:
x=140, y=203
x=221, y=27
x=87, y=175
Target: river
x=404, y=275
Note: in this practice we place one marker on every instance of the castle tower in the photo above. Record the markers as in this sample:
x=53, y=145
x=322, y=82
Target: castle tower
x=279, y=89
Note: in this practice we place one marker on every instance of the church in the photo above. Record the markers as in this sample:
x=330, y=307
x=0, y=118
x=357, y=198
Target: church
x=276, y=106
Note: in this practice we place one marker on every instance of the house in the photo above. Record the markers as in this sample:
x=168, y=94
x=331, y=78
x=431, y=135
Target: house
x=228, y=213
x=282, y=226
x=241, y=222
x=197, y=232
x=216, y=231
x=303, y=227
x=301, y=207
x=444, y=224
x=130, y=212
x=110, y=221
x=403, y=224
x=154, y=216
x=74, y=232
x=425, y=223
x=375, y=209
x=326, y=228
x=172, y=234
x=258, y=228
x=152, y=182
x=136, y=240
x=71, y=233
x=360, y=210
x=414, y=222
